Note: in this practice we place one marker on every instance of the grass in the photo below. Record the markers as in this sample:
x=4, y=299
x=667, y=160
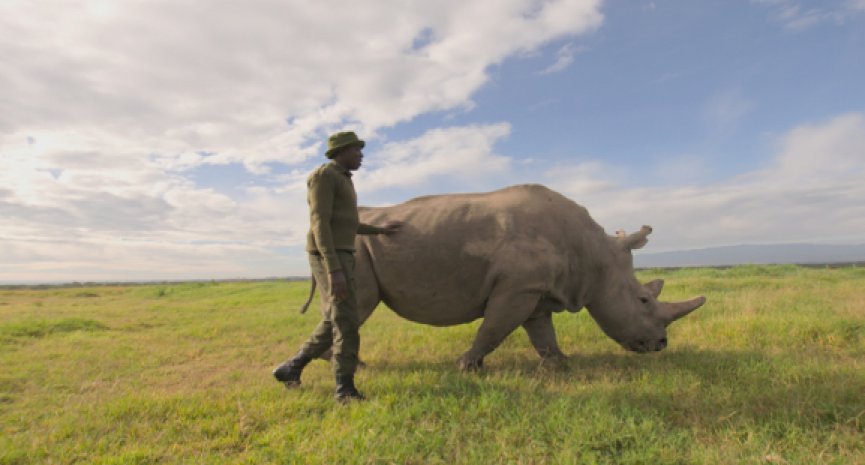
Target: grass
x=771, y=370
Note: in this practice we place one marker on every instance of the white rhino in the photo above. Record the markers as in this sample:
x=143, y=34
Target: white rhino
x=511, y=257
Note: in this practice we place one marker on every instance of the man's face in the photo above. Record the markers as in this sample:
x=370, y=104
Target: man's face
x=350, y=158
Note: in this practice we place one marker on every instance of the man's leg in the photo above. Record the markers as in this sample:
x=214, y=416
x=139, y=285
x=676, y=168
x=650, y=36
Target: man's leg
x=322, y=337
x=346, y=338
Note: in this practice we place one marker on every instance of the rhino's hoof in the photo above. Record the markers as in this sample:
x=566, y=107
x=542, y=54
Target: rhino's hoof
x=467, y=364
x=554, y=362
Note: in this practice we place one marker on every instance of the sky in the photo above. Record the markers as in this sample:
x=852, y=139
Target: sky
x=170, y=140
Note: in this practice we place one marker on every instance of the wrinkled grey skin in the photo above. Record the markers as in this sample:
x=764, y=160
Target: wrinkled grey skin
x=512, y=257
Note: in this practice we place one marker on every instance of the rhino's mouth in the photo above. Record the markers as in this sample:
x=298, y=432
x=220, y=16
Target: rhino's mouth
x=643, y=347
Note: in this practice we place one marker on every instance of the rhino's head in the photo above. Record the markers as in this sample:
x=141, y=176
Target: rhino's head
x=630, y=312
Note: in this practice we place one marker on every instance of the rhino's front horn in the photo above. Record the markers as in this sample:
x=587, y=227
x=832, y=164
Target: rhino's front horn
x=672, y=311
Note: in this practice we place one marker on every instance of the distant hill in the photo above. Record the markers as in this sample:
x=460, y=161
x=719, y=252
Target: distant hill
x=801, y=254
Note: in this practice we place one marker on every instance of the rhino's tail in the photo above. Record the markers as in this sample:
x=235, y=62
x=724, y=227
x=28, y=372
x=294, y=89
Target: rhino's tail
x=309, y=299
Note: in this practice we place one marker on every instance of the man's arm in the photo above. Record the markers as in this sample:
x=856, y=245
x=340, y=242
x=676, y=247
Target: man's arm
x=321, y=193
x=390, y=228
x=368, y=229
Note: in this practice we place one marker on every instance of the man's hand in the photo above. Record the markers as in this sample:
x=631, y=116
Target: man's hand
x=392, y=227
x=338, y=285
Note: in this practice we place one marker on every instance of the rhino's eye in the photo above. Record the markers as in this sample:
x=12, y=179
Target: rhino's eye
x=644, y=300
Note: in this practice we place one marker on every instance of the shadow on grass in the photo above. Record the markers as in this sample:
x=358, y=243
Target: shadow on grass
x=684, y=388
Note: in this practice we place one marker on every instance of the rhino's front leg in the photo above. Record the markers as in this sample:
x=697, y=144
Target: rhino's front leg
x=543, y=336
x=505, y=312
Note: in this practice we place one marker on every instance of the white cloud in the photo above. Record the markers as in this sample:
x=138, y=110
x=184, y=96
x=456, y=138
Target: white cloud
x=824, y=154
x=461, y=152
x=171, y=231
x=585, y=179
x=564, y=57
x=107, y=105
x=796, y=17
x=812, y=191
x=120, y=259
x=679, y=169
x=179, y=77
x=98, y=221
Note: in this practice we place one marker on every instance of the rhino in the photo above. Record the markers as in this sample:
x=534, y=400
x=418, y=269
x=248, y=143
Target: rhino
x=513, y=257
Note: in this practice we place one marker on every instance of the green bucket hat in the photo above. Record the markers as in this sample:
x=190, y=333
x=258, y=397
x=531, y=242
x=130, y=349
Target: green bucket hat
x=341, y=140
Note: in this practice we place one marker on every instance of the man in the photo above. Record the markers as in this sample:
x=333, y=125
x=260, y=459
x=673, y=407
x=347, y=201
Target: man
x=334, y=223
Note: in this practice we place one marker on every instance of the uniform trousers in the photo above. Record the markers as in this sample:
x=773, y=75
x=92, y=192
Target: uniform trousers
x=339, y=323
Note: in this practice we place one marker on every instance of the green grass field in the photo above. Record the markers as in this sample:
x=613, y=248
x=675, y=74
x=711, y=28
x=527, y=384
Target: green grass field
x=770, y=370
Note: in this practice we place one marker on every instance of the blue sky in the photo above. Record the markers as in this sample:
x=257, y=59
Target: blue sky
x=710, y=79
x=166, y=140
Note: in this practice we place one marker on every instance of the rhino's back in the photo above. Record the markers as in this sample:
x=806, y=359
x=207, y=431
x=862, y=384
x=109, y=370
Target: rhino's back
x=441, y=267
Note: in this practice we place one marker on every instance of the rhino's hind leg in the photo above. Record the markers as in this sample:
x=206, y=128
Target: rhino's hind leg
x=542, y=334
x=506, y=311
x=366, y=285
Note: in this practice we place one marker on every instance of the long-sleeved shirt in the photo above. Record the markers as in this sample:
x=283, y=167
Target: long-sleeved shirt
x=333, y=218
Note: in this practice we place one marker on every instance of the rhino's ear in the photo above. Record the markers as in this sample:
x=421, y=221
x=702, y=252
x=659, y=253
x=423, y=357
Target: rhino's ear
x=634, y=241
x=655, y=287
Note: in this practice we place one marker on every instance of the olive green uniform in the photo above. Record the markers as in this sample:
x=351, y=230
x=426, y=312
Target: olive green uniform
x=334, y=223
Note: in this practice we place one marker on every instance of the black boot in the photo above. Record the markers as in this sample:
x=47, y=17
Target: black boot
x=345, y=390
x=289, y=372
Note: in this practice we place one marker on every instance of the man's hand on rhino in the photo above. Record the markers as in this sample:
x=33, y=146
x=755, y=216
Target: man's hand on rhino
x=392, y=227
x=338, y=285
